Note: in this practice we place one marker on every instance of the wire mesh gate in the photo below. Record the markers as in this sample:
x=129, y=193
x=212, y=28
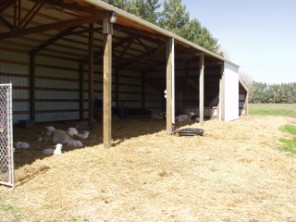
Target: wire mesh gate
x=6, y=140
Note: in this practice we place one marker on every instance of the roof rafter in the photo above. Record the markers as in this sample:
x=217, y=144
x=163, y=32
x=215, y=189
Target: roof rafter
x=54, y=39
x=5, y=4
x=51, y=26
x=30, y=15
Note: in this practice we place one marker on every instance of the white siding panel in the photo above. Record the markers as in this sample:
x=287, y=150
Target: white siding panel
x=231, y=92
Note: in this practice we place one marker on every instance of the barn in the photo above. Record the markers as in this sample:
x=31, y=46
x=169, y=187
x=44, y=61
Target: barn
x=79, y=59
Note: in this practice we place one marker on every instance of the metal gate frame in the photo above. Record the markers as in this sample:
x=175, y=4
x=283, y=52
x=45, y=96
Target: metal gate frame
x=6, y=136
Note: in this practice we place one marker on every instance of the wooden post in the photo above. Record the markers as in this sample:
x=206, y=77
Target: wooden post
x=201, y=89
x=81, y=87
x=169, y=126
x=90, y=75
x=32, y=85
x=107, y=82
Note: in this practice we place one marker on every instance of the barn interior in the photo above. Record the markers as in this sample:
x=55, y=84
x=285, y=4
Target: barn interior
x=54, y=54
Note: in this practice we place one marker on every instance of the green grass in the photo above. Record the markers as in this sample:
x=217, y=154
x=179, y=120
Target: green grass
x=273, y=109
x=9, y=213
x=289, y=145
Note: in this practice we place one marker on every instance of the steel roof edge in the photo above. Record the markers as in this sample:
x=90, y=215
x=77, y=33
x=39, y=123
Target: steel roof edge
x=243, y=84
x=155, y=28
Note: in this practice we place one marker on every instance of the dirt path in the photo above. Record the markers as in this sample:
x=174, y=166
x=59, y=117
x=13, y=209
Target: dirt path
x=233, y=173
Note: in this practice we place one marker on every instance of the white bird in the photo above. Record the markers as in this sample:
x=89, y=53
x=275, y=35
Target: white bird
x=74, y=143
x=85, y=135
x=56, y=151
x=182, y=118
x=22, y=145
x=72, y=131
x=50, y=128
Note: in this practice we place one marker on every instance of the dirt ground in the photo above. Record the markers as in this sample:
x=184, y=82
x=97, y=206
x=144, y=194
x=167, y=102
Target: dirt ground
x=235, y=172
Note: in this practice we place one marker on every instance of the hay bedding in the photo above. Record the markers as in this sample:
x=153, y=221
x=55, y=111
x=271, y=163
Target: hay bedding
x=233, y=173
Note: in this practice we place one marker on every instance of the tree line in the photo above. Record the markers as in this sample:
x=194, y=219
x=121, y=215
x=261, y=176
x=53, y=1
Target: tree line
x=260, y=92
x=173, y=17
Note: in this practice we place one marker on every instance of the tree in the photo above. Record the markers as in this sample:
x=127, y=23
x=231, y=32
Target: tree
x=194, y=32
x=122, y=4
x=146, y=9
x=174, y=16
x=272, y=93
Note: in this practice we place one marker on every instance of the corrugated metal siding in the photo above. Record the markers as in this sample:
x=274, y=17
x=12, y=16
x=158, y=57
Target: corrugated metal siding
x=14, y=68
x=55, y=79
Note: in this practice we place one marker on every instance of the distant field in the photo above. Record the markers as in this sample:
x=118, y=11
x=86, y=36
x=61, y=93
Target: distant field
x=273, y=109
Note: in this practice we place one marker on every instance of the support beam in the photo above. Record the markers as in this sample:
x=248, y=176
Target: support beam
x=107, y=85
x=51, y=26
x=5, y=4
x=169, y=68
x=91, y=76
x=6, y=23
x=30, y=15
x=201, y=89
x=81, y=89
x=32, y=85
x=54, y=39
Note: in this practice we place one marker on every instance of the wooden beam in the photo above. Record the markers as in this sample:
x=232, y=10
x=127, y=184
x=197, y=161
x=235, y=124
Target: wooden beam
x=169, y=59
x=107, y=88
x=81, y=87
x=71, y=7
x=54, y=39
x=91, y=76
x=6, y=23
x=131, y=40
x=32, y=85
x=142, y=44
x=5, y=4
x=51, y=26
x=154, y=53
x=30, y=15
x=201, y=89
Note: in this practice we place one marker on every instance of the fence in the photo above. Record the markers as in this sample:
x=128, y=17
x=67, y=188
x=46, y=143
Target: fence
x=6, y=136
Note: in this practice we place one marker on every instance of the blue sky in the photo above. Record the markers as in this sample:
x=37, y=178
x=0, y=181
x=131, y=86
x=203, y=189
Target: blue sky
x=258, y=35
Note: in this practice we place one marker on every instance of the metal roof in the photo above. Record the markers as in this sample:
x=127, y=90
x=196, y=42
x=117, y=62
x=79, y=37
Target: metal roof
x=155, y=28
x=56, y=28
